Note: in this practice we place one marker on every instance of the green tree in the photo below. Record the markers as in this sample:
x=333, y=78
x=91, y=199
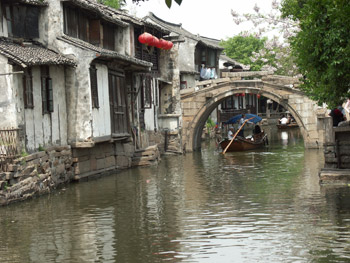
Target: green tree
x=167, y=2
x=322, y=47
x=117, y=4
x=243, y=48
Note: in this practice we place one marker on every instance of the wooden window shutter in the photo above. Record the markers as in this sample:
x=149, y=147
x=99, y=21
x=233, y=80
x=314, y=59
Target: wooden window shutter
x=28, y=90
x=94, y=32
x=49, y=95
x=44, y=94
x=94, y=87
x=108, y=37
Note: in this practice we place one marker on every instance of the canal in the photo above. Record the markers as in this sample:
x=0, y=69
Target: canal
x=262, y=206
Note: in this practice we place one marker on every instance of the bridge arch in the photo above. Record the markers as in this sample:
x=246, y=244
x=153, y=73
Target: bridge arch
x=198, y=105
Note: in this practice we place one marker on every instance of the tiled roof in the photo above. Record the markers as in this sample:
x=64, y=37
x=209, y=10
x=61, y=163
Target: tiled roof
x=234, y=62
x=116, y=16
x=31, y=54
x=107, y=13
x=104, y=52
x=178, y=29
x=35, y=2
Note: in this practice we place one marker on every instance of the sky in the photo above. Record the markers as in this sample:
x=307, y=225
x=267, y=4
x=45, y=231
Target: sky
x=209, y=18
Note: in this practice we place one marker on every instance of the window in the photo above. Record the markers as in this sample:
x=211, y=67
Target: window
x=108, y=37
x=145, y=53
x=28, y=89
x=79, y=24
x=94, y=89
x=117, y=102
x=146, y=95
x=205, y=56
x=46, y=90
x=22, y=21
x=228, y=103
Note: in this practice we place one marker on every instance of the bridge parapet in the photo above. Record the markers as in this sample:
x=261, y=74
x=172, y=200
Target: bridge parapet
x=245, y=74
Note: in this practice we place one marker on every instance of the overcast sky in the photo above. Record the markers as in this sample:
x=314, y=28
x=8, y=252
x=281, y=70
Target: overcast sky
x=209, y=18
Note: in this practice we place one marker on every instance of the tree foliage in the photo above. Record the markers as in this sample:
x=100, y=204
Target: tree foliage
x=117, y=4
x=274, y=30
x=167, y=2
x=322, y=47
x=241, y=49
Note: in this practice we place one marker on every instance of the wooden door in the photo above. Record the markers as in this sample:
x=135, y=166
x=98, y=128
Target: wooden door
x=117, y=102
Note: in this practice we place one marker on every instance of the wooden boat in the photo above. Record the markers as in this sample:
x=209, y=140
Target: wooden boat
x=243, y=144
x=287, y=126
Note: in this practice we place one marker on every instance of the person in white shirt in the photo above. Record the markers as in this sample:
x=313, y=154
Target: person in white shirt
x=230, y=133
x=284, y=120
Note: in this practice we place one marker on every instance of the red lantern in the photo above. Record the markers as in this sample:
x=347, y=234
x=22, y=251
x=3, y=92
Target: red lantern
x=168, y=45
x=146, y=38
x=155, y=42
x=258, y=96
x=159, y=44
x=243, y=94
x=162, y=43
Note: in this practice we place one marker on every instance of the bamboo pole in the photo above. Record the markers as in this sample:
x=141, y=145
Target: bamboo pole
x=234, y=137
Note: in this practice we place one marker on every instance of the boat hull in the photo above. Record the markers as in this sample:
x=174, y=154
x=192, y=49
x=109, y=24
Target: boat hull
x=287, y=126
x=242, y=144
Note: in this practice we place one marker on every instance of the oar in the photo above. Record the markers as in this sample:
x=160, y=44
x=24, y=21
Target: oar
x=236, y=134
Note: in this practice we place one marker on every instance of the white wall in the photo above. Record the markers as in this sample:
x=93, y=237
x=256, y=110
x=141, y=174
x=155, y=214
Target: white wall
x=186, y=57
x=101, y=122
x=7, y=96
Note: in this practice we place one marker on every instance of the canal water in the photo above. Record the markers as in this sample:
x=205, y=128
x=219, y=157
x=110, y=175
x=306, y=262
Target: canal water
x=261, y=206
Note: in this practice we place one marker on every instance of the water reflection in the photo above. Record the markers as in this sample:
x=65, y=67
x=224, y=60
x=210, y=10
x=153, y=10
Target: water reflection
x=260, y=206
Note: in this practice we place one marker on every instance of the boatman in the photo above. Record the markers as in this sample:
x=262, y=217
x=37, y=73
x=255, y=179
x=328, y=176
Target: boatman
x=241, y=122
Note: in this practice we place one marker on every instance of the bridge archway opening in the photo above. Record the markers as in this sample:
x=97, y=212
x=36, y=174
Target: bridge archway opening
x=211, y=104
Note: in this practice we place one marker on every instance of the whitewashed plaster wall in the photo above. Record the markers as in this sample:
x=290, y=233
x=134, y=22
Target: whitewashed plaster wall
x=3, y=24
x=190, y=79
x=8, y=111
x=101, y=121
x=186, y=55
x=52, y=26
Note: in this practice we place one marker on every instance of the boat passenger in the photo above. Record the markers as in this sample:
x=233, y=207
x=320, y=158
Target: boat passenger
x=230, y=133
x=284, y=120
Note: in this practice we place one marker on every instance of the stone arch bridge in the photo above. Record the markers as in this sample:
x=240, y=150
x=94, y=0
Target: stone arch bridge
x=197, y=104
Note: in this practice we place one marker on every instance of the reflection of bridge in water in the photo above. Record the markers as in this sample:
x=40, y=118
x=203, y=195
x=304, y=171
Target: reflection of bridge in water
x=197, y=104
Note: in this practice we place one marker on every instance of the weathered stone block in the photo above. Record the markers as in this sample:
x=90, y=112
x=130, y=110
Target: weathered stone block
x=34, y=156
x=93, y=164
x=60, y=169
x=100, y=164
x=122, y=162
x=81, y=152
x=110, y=161
x=84, y=167
x=3, y=185
x=129, y=149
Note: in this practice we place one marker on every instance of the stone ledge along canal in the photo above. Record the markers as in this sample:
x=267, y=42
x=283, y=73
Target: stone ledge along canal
x=256, y=206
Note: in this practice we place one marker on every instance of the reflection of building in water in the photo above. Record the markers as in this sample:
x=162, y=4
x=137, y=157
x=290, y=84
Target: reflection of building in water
x=91, y=238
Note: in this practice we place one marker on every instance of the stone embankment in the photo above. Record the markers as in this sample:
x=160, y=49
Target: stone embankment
x=337, y=157
x=39, y=173
x=147, y=156
x=36, y=174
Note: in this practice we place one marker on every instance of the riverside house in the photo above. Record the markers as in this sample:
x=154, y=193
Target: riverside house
x=74, y=74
